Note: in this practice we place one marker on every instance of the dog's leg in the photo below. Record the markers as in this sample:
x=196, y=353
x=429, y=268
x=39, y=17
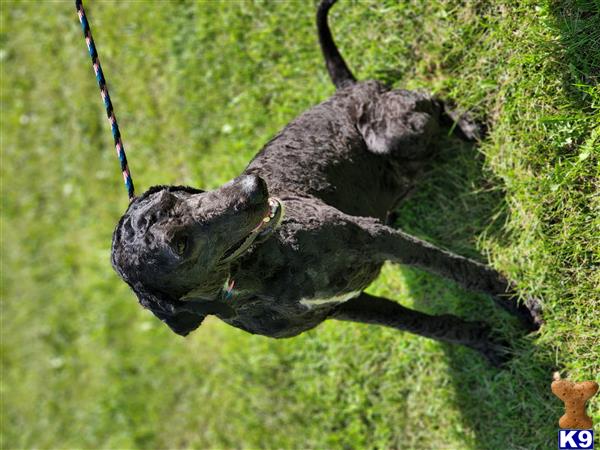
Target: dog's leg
x=394, y=245
x=447, y=328
x=383, y=243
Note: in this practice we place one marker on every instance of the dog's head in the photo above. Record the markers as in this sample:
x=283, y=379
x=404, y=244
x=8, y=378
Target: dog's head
x=174, y=244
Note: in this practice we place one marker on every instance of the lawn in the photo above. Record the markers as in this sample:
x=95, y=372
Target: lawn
x=198, y=89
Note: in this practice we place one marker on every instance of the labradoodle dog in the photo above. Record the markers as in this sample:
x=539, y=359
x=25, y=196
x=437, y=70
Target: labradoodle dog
x=297, y=237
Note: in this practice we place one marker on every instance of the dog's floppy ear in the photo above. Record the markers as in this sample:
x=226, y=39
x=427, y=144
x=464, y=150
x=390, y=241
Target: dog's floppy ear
x=180, y=321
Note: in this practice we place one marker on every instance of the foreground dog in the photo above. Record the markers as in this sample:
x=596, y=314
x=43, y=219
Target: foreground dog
x=296, y=238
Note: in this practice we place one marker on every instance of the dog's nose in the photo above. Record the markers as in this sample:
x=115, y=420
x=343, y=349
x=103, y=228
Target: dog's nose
x=255, y=188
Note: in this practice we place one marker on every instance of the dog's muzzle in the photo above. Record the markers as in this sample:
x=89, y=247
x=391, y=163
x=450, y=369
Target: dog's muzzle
x=265, y=227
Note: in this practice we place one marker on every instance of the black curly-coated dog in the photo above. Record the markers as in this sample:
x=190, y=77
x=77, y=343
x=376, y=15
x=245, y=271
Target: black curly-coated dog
x=302, y=231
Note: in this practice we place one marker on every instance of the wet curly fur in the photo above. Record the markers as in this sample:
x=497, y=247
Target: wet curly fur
x=297, y=237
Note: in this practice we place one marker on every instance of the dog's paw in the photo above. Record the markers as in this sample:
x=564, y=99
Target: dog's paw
x=496, y=350
x=497, y=356
x=464, y=125
x=528, y=310
x=470, y=129
x=534, y=307
x=493, y=347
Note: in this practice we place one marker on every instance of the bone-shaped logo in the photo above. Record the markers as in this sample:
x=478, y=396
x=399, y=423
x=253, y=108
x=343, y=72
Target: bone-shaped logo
x=574, y=396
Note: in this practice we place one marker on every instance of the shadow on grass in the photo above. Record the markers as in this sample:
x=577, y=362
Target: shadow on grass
x=508, y=408
x=511, y=408
x=577, y=22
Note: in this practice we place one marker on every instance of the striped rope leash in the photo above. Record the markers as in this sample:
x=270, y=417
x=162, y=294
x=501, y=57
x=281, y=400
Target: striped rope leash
x=87, y=33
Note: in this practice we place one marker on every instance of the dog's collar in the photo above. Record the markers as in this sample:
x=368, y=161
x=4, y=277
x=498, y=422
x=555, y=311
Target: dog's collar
x=255, y=234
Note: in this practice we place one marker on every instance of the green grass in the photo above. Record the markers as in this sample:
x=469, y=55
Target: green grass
x=198, y=89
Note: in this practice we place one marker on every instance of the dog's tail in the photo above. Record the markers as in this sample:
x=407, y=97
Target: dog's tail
x=338, y=70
